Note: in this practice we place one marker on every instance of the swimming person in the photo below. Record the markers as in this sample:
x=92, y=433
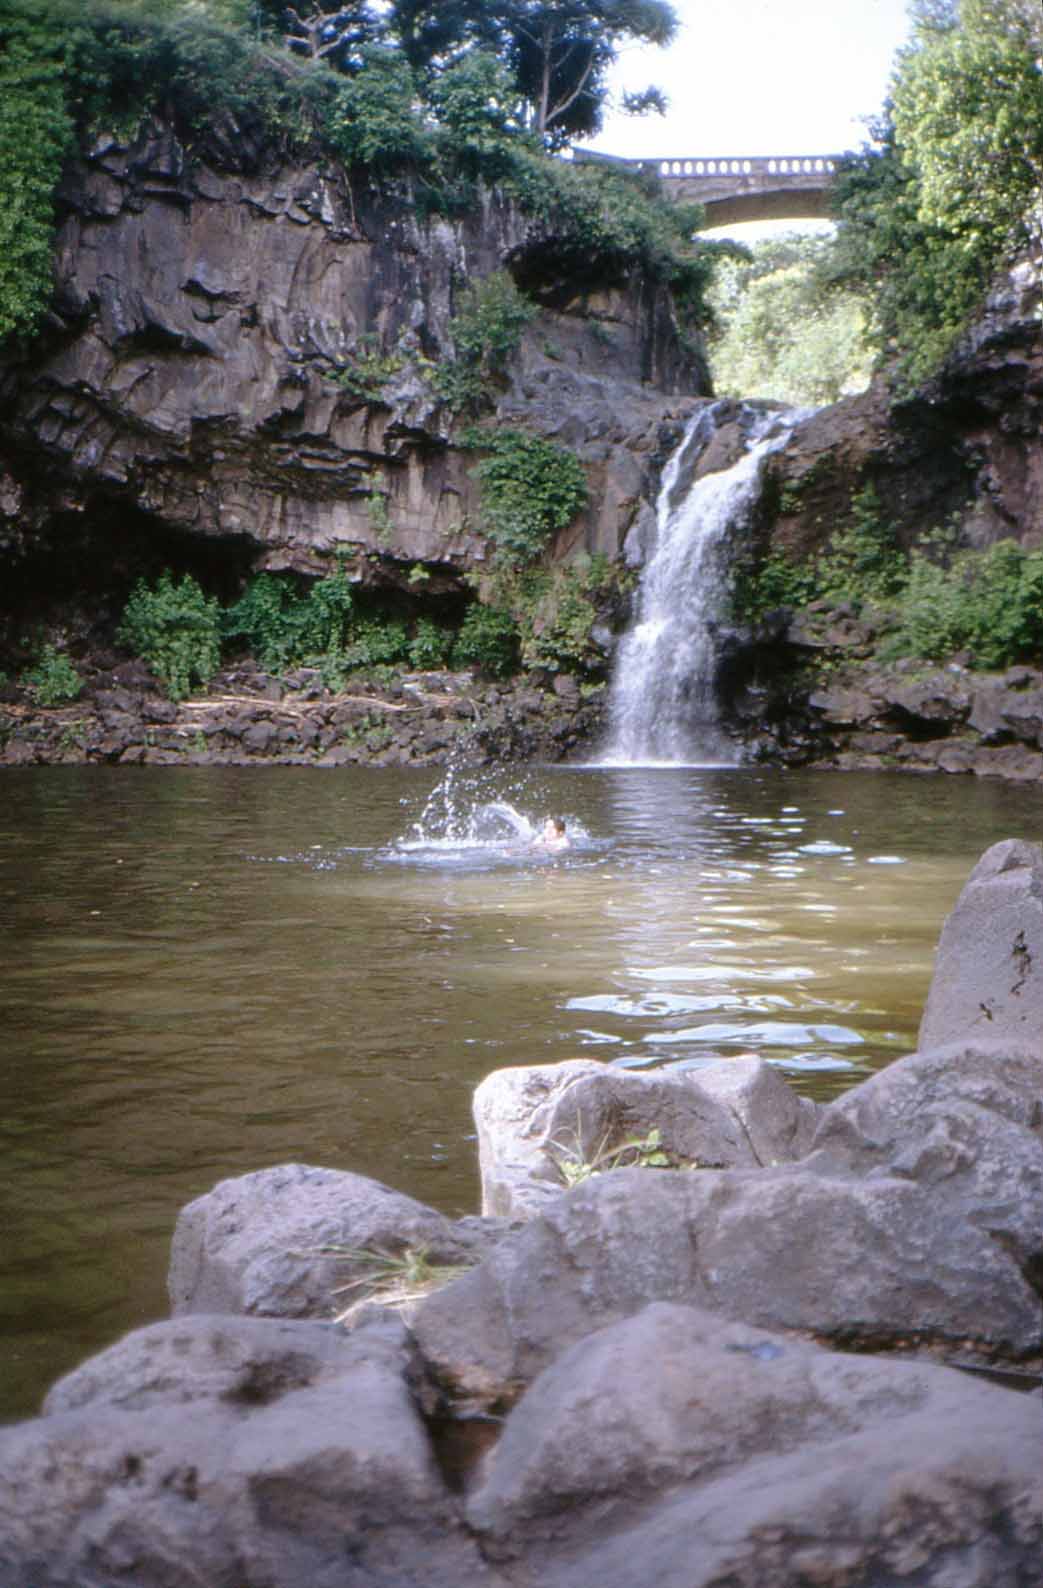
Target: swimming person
x=553, y=837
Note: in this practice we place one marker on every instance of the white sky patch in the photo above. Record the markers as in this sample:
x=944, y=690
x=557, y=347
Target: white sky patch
x=761, y=77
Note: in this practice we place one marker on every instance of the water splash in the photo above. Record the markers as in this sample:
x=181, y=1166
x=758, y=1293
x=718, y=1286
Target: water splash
x=663, y=702
x=466, y=823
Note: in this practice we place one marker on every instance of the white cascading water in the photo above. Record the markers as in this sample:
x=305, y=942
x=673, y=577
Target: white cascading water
x=663, y=704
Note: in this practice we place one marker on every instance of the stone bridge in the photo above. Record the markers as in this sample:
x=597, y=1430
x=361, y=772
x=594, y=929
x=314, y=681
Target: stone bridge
x=744, y=187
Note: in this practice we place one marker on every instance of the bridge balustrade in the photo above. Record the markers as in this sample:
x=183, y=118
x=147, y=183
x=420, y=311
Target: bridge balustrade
x=759, y=165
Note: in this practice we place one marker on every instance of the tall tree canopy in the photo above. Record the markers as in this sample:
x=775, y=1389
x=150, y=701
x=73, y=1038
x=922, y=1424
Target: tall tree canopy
x=561, y=51
x=954, y=183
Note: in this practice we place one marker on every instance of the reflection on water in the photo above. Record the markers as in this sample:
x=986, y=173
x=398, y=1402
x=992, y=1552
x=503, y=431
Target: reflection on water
x=205, y=971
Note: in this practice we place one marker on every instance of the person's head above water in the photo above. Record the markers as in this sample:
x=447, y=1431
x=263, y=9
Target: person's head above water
x=554, y=835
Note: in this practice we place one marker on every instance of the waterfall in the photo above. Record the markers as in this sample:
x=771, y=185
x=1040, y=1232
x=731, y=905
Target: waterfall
x=663, y=702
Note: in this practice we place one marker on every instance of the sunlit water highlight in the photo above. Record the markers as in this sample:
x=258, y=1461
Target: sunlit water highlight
x=205, y=971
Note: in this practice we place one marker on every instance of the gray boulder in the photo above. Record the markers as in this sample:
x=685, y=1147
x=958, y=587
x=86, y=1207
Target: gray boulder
x=964, y=1123
x=239, y=1361
x=258, y=1244
x=988, y=973
x=221, y=1467
x=916, y=1222
x=538, y=1124
x=682, y=1449
x=517, y=1174
x=879, y=1264
x=776, y=1121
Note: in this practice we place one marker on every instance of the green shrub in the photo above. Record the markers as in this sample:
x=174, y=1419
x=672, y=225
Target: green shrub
x=53, y=679
x=370, y=118
x=430, y=646
x=370, y=369
x=486, y=331
x=487, y=639
x=556, y=614
x=176, y=629
x=988, y=603
x=862, y=562
x=284, y=625
x=377, y=643
x=529, y=489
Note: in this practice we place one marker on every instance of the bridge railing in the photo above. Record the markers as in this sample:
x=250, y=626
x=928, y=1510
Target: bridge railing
x=787, y=165
x=688, y=166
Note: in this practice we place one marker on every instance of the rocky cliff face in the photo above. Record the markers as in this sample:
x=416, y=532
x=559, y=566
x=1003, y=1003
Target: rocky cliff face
x=962, y=452
x=182, y=396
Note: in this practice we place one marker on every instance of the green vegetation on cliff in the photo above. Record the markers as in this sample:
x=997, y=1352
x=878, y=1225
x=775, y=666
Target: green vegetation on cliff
x=953, y=184
x=237, y=81
x=932, y=602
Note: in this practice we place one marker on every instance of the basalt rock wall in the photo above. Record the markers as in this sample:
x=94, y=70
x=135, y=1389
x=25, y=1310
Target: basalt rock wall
x=183, y=391
x=961, y=454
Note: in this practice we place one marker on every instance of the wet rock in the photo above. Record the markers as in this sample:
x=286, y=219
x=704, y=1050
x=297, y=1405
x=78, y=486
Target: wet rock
x=710, y=1452
x=255, y=1244
x=988, y=972
x=244, y=1452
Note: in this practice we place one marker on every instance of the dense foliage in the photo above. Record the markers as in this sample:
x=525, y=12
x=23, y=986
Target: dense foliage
x=282, y=624
x=439, y=99
x=529, y=489
x=784, y=328
x=954, y=181
x=932, y=602
x=175, y=628
x=557, y=53
x=52, y=679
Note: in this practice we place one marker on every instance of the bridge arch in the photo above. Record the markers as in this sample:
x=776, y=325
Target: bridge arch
x=735, y=188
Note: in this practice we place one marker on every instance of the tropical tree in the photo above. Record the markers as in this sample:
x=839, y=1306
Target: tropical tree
x=435, y=33
x=952, y=184
x=561, y=51
x=558, y=52
x=968, y=117
x=323, y=30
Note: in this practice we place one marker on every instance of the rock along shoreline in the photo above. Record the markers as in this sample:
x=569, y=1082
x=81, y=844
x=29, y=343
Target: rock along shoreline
x=249, y=717
x=740, y=1358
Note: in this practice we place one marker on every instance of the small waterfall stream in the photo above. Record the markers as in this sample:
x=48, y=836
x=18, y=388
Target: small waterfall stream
x=663, y=705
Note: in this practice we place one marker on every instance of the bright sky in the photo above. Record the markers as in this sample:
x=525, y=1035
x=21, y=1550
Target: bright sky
x=761, y=77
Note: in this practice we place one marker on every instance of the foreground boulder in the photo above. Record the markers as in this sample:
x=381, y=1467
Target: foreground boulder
x=232, y=1451
x=284, y=1242
x=915, y=1222
x=988, y=976
x=542, y=1125
x=674, y=1447
x=678, y=1448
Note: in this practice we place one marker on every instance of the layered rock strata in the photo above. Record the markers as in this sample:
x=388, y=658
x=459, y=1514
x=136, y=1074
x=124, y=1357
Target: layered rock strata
x=195, y=385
